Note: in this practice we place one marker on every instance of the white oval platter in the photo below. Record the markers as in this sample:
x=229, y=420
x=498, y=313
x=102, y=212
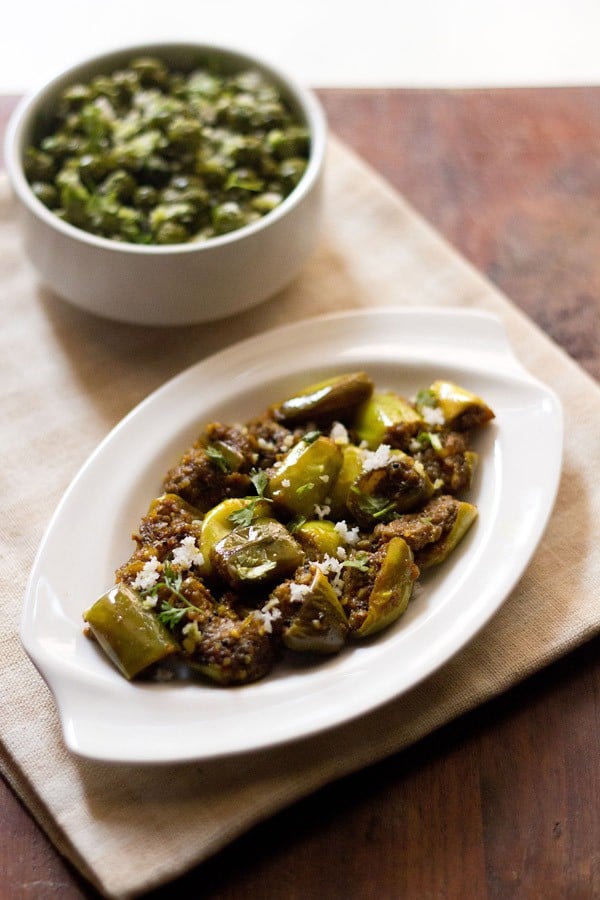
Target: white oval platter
x=105, y=717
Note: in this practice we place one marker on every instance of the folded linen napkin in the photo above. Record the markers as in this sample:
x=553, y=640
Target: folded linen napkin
x=67, y=378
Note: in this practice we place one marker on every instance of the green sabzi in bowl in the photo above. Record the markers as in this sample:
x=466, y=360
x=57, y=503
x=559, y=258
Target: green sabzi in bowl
x=298, y=531
x=148, y=154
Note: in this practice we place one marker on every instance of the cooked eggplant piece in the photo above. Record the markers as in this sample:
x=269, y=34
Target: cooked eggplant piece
x=397, y=485
x=437, y=552
x=220, y=521
x=227, y=457
x=294, y=530
x=334, y=398
x=255, y=554
x=352, y=466
x=434, y=531
x=130, y=635
x=169, y=519
x=230, y=651
x=273, y=440
x=376, y=594
x=462, y=409
x=387, y=418
x=232, y=447
x=320, y=625
x=318, y=537
x=201, y=479
x=450, y=466
x=306, y=476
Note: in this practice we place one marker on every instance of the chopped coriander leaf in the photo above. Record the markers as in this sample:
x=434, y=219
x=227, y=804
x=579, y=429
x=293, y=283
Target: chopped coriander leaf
x=431, y=438
x=296, y=522
x=426, y=398
x=374, y=506
x=304, y=488
x=218, y=459
x=311, y=436
x=243, y=517
x=360, y=562
x=171, y=580
x=260, y=480
x=434, y=440
x=171, y=615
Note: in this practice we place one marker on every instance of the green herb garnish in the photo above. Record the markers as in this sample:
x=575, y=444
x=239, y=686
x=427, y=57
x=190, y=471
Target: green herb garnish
x=295, y=523
x=311, y=436
x=426, y=397
x=304, y=488
x=218, y=459
x=373, y=506
x=360, y=562
x=260, y=480
x=434, y=440
x=170, y=615
x=245, y=516
x=430, y=437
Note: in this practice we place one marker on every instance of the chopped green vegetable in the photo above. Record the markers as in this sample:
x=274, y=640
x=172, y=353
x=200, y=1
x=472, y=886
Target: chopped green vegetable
x=134, y=134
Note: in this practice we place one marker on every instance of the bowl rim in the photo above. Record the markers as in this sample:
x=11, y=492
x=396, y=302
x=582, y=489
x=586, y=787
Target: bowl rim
x=30, y=105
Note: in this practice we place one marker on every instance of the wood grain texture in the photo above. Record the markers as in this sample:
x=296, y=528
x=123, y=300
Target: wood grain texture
x=503, y=802
x=511, y=178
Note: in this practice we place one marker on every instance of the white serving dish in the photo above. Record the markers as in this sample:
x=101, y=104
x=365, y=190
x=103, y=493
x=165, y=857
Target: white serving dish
x=176, y=284
x=105, y=717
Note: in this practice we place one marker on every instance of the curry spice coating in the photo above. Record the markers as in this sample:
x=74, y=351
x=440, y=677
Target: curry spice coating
x=298, y=531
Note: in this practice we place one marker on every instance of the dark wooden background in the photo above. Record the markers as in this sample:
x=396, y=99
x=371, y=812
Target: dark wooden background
x=505, y=802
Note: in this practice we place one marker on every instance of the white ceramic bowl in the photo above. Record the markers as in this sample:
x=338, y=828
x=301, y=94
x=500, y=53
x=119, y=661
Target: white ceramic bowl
x=180, y=283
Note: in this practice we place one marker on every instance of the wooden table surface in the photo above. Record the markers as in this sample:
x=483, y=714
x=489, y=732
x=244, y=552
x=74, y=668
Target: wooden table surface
x=503, y=803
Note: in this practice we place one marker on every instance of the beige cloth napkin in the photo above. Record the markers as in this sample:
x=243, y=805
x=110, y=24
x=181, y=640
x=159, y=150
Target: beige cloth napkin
x=66, y=378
